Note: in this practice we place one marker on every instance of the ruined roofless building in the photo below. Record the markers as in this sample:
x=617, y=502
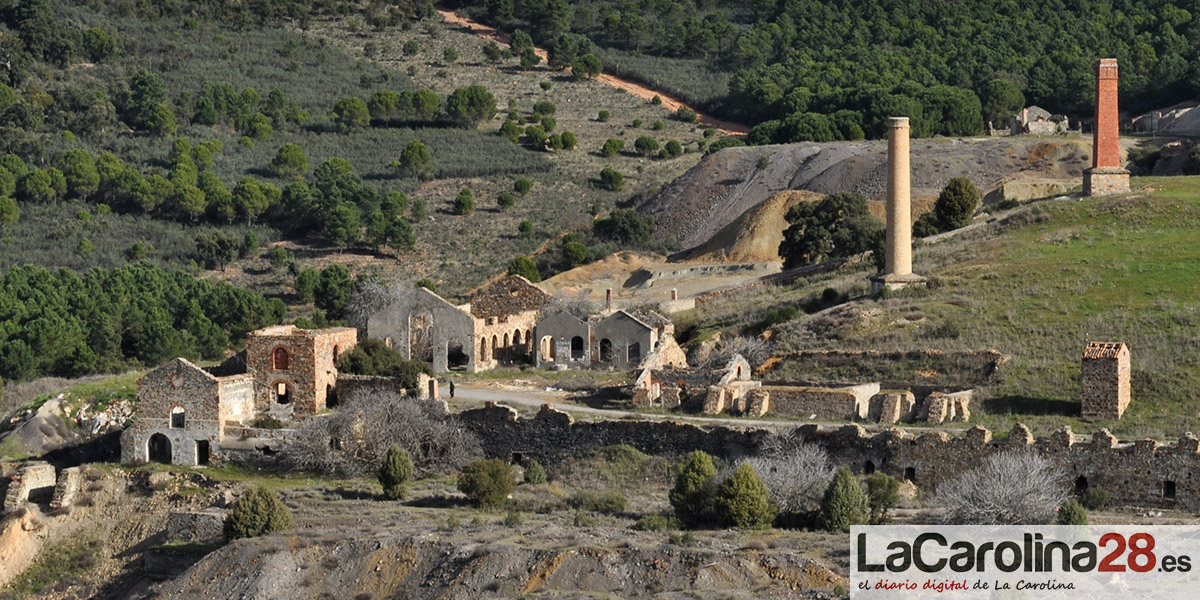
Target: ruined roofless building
x=898, y=271
x=1105, y=379
x=1106, y=175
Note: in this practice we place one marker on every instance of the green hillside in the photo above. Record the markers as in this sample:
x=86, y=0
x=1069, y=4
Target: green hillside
x=1037, y=285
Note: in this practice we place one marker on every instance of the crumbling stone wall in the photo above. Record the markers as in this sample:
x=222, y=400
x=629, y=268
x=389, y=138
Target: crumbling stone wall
x=552, y=338
x=450, y=327
x=70, y=480
x=511, y=295
x=350, y=386
x=622, y=341
x=196, y=527
x=842, y=403
x=34, y=482
x=310, y=372
x=1105, y=378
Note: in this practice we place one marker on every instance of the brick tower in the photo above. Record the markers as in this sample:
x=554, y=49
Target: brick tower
x=1105, y=379
x=1106, y=175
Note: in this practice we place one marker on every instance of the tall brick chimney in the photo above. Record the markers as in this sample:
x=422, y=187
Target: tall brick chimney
x=1106, y=175
x=608, y=298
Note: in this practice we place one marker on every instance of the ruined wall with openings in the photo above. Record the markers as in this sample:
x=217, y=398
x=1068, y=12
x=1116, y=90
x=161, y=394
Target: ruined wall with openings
x=294, y=369
x=179, y=415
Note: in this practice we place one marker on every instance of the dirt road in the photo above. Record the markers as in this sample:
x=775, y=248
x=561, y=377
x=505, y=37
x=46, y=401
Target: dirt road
x=670, y=103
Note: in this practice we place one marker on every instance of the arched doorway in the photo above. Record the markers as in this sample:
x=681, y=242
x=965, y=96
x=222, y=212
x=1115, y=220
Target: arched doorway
x=158, y=449
x=606, y=350
x=282, y=393
x=576, y=348
x=331, y=399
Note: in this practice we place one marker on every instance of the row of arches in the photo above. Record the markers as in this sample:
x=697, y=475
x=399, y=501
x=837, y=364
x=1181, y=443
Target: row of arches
x=505, y=348
x=608, y=352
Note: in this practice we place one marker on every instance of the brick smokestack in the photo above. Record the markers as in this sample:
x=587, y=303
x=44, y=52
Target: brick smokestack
x=608, y=298
x=1106, y=175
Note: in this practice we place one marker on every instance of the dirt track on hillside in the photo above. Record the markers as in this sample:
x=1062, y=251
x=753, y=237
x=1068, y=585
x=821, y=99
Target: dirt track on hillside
x=668, y=102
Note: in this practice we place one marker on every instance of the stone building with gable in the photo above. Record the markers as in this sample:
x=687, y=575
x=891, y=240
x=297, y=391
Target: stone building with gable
x=187, y=414
x=495, y=327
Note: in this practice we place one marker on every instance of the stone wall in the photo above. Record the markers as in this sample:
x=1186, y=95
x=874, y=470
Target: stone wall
x=196, y=527
x=552, y=436
x=176, y=386
x=350, y=386
x=1102, y=181
x=843, y=403
x=67, y=489
x=508, y=296
x=449, y=327
x=34, y=482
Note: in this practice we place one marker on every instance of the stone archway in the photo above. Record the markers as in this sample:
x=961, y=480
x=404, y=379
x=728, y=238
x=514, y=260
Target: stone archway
x=158, y=449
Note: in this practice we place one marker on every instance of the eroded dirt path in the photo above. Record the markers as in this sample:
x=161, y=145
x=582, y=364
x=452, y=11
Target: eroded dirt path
x=669, y=102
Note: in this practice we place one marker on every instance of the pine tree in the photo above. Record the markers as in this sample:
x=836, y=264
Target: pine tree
x=743, y=501
x=844, y=503
x=395, y=473
x=692, y=495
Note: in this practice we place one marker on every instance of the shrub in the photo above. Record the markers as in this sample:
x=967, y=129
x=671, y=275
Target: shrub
x=534, y=473
x=450, y=54
x=525, y=229
x=575, y=253
x=1072, y=513
x=883, y=492
x=513, y=518
x=743, y=501
x=779, y=315
x=603, y=116
x=612, y=146
x=546, y=85
x=568, y=140
x=266, y=422
x=673, y=149
x=512, y=130
x=691, y=497
x=844, y=504
x=350, y=113
x=257, y=512
x=625, y=225
x=1096, y=499
x=544, y=108
x=685, y=114
x=656, y=100
x=646, y=145
x=410, y=48
x=487, y=482
x=522, y=185
x=657, y=125
x=505, y=200
x=583, y=519
x=395, y=473
x=607, y=501
x=464, y=203
x=795, y=474
x=1012, y=488
x=548, y=124
x=656, y=523
x=611, y=180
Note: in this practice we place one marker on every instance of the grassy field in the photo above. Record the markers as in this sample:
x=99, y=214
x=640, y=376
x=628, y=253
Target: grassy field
x=1039, y=287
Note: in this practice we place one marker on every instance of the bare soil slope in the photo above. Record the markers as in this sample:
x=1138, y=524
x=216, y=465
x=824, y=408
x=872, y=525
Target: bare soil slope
x=722, y=187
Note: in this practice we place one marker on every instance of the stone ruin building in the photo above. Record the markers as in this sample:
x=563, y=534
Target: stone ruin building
x=731, y=389
x=495, y=327
x=187, y=414
x=1035, y=120
x=511, y=321
x=611, y=338
x=1105, y=379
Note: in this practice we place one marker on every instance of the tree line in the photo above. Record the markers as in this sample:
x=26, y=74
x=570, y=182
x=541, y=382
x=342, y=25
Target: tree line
x=67, y=324
x=827, y=70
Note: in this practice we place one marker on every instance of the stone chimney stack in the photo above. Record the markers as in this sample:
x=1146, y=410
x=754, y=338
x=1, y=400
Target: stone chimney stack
x=674, y=294
x=608, y=299
x=898, y=247
x=1106, y=175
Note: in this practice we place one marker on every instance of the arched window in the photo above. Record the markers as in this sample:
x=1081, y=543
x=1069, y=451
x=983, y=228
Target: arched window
x=178, y=418
x=606, y=350
x=576, y=348
x=280, y=359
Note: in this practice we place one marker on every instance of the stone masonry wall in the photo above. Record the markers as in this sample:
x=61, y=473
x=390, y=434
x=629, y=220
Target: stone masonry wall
x=67, y=488
x=310, y=373
x=1105, y=383
x=199, y=527
x=33, y=483
x=848, y=403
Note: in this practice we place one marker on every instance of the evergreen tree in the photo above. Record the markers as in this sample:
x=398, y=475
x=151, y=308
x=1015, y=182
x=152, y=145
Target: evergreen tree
x=843, y=504
x=257, y=512
x=743, y=501
x=395, y=473
x=692, y=494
